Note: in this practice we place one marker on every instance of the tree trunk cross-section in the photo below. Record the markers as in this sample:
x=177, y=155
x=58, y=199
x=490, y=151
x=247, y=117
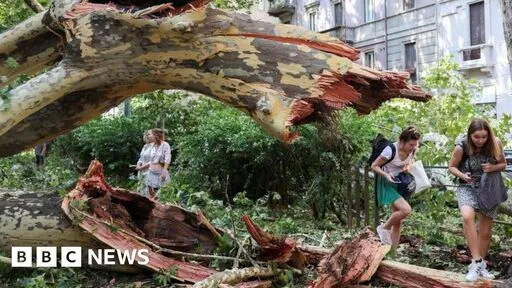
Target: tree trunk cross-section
x=103, y=53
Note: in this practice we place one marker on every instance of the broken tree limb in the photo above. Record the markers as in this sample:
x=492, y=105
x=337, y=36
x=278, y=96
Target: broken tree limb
x=28, y=48
x=284, y=249
x=352, y=262
x=280, y=75
x=157, y=248
x=279, y=250
x=5, y=260
x=236, y=275
x=405, y=275
x=255, y=284
x=35, y=219
x=34, y=5
x=115, y=210
x=364, y=254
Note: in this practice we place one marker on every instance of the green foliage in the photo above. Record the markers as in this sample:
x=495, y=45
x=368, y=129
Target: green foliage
x=115, y=141
x=50, y=278
x=433, y=210
x=165, y=277
x=81, y=205
x=234, y=4
x=19, y=172
x=13, y=12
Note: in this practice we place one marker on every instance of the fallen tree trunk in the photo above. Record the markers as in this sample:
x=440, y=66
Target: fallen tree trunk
x=35, y=219
x=280, y=75
x=127, y=221
x=405, y=275
x=116, y=217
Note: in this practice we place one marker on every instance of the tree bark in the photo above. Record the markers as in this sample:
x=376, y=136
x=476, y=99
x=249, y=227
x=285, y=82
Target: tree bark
x=351, y=262
x=405, y=275
x=236, y=276
x=31, y=46
x=34, y=5
x=32, y=219
x=279, y=75
x=35, y=219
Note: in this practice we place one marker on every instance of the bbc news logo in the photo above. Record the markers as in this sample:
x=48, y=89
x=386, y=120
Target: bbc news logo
x=72, y=256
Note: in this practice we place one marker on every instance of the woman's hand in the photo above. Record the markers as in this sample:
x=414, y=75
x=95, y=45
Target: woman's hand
x=487, y=167
x=389, y=178
x=407, y=168
x=466, y=177
x=164, y=175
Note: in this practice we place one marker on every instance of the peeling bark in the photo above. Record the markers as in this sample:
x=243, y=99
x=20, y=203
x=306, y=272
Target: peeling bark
x=279, y=75
x=352, y=262
x=32, y=45
x=32, y=219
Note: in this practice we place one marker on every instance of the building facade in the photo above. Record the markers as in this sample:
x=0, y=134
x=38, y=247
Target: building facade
x=411, y=35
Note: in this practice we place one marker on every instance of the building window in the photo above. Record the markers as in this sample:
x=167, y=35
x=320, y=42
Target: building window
x=408, y=4
x=410, y=61
x=338, y=14
x=312, y=21
x=369, y=10
x=369, y=59
x=476, y=30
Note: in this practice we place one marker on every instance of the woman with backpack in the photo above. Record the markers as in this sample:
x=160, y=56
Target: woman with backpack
x=476, y=156
x=395, y=159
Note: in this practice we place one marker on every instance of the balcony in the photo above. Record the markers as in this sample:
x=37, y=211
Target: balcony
x=345, y=34
x=280, y=7
x=476, y=57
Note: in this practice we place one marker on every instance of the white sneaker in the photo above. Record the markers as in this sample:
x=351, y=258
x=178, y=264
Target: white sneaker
x=485, y=273
x=384, y=235
x=474, y=271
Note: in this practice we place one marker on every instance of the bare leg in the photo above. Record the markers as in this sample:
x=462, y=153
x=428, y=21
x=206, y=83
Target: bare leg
x=484, y=233
x=395, y=230
x=468, y=221
x=400, y=210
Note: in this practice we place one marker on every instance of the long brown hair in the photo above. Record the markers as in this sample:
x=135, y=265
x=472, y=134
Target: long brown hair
x=491, y=147
x=159, y=135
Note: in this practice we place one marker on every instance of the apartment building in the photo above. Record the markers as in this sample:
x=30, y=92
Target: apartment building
x=410, y=35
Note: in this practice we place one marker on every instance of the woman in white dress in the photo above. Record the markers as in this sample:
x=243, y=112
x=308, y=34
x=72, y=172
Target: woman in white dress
x=143, y=164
